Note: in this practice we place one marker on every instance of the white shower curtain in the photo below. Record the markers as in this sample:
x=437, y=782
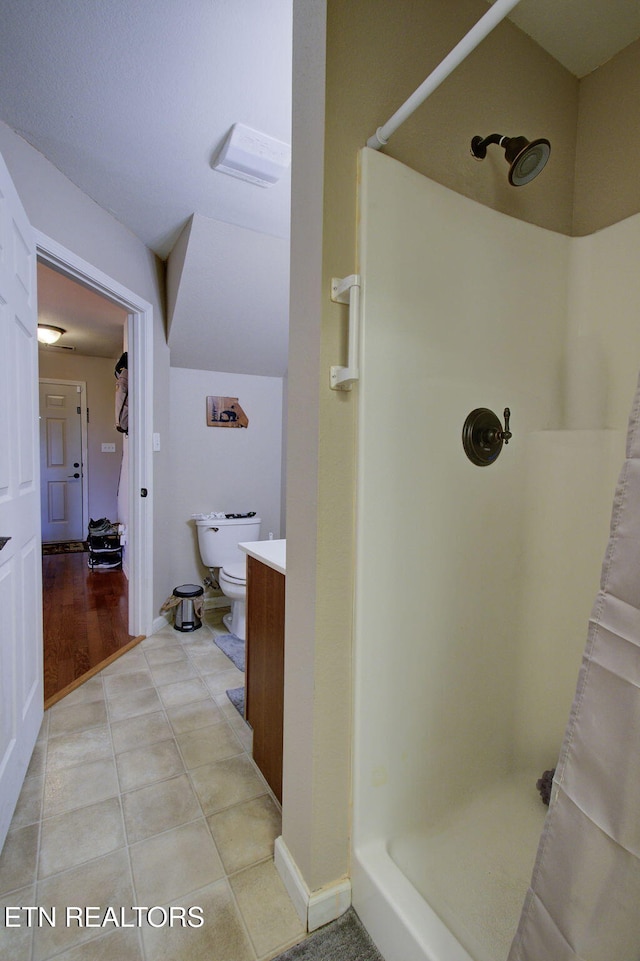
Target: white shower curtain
x=583, y=903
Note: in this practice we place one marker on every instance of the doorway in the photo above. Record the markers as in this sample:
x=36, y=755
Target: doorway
x=85, y=604
x=136, y=474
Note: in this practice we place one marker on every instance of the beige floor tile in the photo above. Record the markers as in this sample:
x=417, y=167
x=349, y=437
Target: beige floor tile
x=16, y=939
x=170, y=865
x=153, y=762
x=131, y=661
x=167, y=637
x=18, y=858
x=167, y=654
x=138, y=731
x=134, y=704
x=121, y=945
x=105, y=882
x=245, y=833
x=74, y=787
x=267, y=910
x=183, y=692
x=222, y=936
x=29, y=807
x=67, y=750
x=159, y=807
x=199, y=643
x=38, y=758
x=115, y=685
x=225, y=705
x=189, y=717
x=208, y=744
x=224, y=680
x=211, y=661
x=91, y=690
x=226, y=782
x=81, y=835
x=181, y=670
x=77, y=717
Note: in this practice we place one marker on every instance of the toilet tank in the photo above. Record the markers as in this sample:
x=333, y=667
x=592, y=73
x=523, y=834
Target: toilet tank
x=218, y=538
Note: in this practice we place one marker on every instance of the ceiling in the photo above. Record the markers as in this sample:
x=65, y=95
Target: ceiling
x=580, y=34
x=131, y=101
x=93, y=325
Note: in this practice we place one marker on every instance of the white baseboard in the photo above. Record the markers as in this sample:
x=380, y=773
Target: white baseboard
x=313, y=908
x=159, y=624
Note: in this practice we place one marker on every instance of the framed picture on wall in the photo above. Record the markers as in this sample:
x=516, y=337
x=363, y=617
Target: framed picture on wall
x=225, y=412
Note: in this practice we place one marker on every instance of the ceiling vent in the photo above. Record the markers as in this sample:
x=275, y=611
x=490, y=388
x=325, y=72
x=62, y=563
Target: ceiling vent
x=252, y=156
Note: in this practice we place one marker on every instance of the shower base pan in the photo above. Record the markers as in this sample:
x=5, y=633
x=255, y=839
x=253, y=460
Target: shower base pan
x=472, y=870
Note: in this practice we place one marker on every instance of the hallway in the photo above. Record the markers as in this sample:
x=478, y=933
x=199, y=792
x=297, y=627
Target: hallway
x=142, y=792
x=85, y=618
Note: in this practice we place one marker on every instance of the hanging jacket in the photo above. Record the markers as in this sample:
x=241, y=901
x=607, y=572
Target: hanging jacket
x=122, y=395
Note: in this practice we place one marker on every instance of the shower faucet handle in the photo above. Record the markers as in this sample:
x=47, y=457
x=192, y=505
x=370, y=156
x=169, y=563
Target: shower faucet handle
x=506, y=434
x=483, y=435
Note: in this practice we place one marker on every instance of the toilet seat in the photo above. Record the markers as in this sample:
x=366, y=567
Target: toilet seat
x=235, y=572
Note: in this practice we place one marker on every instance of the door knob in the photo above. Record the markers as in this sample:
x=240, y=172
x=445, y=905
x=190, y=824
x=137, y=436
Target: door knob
x=73, y=475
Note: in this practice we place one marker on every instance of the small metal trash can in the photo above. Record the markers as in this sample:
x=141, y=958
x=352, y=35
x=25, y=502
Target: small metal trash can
x=186, y=618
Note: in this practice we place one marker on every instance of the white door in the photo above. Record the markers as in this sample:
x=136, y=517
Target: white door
x=21, y=688
x=61, y=475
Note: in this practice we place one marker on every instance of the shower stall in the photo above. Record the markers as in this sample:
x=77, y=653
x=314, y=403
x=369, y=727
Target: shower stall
x=474, y=584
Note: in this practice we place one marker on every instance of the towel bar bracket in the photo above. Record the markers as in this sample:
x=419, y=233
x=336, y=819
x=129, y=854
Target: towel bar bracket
x=346, y=290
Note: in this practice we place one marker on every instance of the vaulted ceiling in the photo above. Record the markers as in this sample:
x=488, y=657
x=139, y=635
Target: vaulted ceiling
x=132, y=101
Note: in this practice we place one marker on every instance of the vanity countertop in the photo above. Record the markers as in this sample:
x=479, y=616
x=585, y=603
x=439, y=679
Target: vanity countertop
x=271, y=553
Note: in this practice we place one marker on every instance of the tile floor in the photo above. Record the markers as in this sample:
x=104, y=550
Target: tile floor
x=142, y=792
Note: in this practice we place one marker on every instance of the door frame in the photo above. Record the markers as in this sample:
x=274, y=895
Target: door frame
x=139, y=329
x=84, y=438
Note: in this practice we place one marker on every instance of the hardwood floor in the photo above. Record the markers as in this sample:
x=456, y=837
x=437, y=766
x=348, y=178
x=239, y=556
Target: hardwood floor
x=85, y=619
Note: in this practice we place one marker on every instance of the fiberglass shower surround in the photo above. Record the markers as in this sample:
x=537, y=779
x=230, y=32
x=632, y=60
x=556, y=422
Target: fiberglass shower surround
x=465, y=673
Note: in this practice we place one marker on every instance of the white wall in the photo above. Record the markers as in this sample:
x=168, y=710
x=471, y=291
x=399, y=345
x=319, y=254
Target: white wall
x=64, y=213
x=221, y=468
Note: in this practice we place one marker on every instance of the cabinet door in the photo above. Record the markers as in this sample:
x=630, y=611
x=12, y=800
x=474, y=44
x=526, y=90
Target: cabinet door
x=265, y=668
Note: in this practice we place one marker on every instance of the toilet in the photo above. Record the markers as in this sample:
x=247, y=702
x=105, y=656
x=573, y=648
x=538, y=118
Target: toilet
x=218, y=538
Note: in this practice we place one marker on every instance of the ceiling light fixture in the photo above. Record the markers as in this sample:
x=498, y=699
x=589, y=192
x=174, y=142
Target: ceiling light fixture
x=47, y=334
x=252, y=156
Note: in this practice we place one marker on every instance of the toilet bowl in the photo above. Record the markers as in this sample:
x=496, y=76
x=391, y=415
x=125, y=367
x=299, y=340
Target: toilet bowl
x=218, y=539
x=232, y=579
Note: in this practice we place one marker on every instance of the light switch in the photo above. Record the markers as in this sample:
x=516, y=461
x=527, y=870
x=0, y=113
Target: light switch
x=156, y=441
x=108, y=448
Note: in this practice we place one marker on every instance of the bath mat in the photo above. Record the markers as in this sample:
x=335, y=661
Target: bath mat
x=65, y=547
x=345, y=939
x=236, y=696
x=232, y=646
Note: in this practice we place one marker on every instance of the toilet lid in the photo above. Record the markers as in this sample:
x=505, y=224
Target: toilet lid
x=235, y=571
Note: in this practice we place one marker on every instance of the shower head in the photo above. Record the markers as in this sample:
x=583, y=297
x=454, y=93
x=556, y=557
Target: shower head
x=526, y=158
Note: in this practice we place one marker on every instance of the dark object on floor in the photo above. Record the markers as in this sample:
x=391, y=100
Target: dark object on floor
x=102, y=526
x=544, y=785
x=232, y=646
x=65, y=547
x=236, y=696
x=105, y=549
x=343, y=940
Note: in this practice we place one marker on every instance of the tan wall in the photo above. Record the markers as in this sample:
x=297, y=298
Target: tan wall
x=607, y=186
x=377, y=54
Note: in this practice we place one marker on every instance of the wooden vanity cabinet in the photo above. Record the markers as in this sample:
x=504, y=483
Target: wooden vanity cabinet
x=264, y=679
